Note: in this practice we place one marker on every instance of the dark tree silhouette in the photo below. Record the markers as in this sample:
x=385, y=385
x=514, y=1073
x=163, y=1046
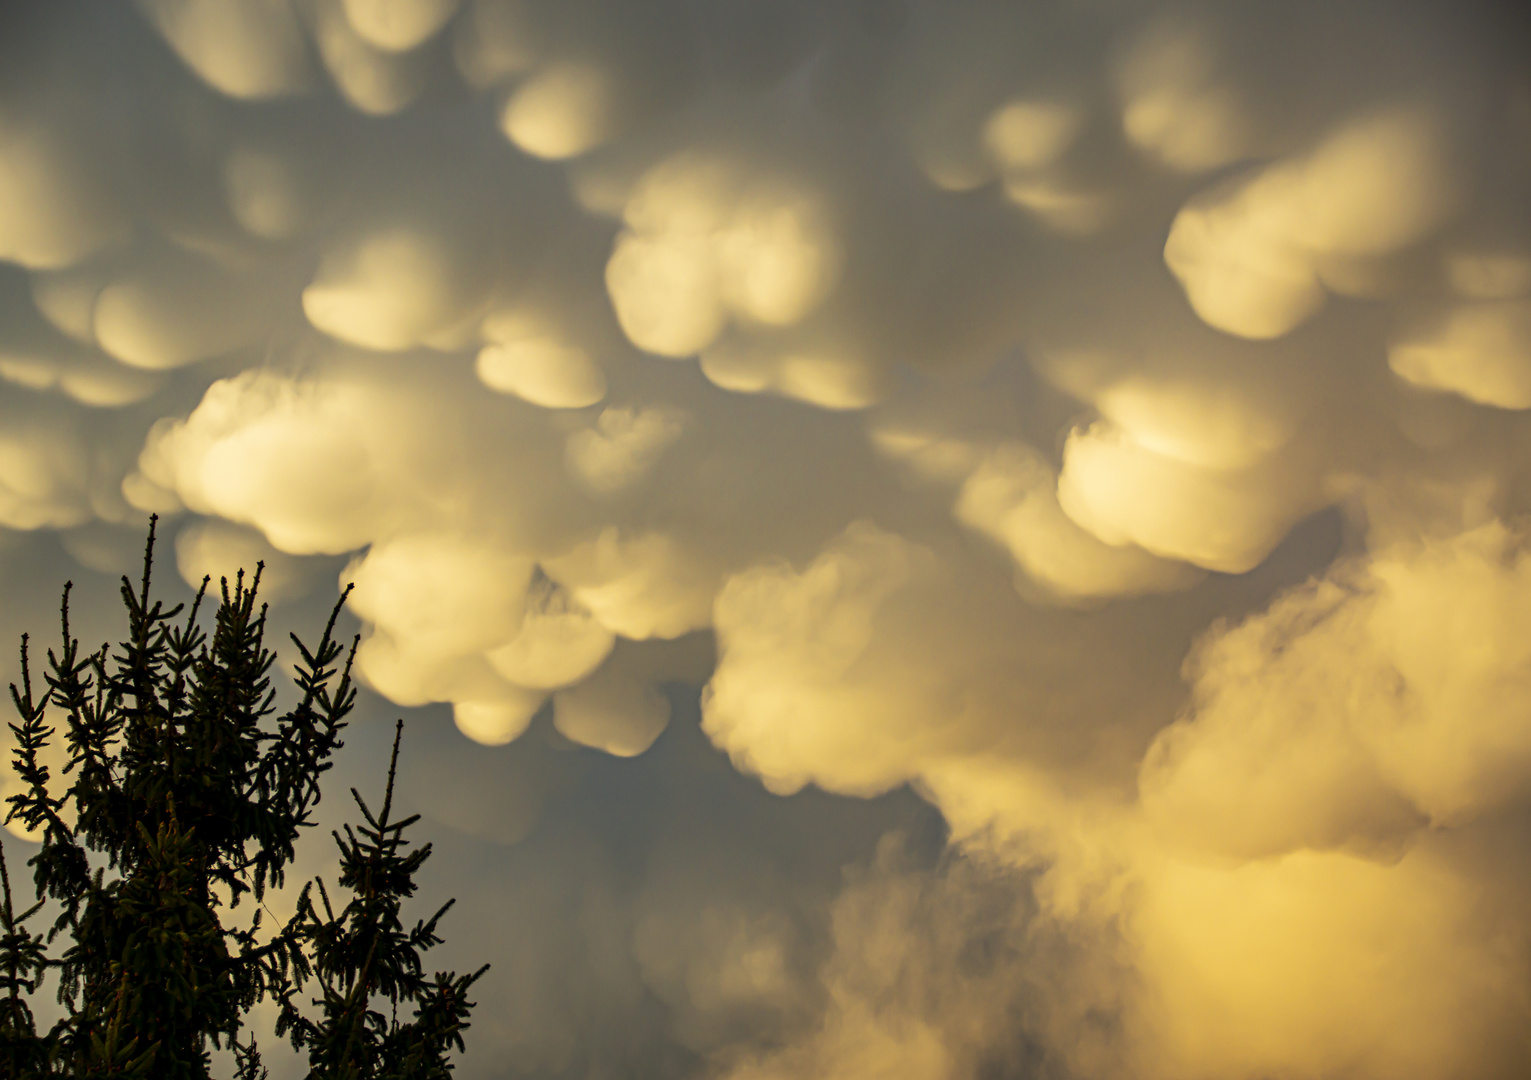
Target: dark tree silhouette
x=183, y=795
x=364, y=952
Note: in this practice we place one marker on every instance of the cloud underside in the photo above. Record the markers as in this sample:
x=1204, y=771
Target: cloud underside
x=1108, y=423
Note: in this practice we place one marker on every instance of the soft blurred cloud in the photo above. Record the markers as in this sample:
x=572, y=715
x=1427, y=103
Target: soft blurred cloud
x=1108, y=421
x=1258, y=256
x=1011, y=496
x=250, y=49
x=707, y=240
x=54, y=206
x=1382, y=699
x=219, y=550
x=1480, y=350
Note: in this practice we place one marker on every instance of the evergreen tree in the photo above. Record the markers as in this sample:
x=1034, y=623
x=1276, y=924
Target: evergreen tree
x=23, y=963
x=364, y=953
x=185, y=796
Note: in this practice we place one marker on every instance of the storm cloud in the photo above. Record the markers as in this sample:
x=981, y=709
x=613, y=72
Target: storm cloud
x=939, y=540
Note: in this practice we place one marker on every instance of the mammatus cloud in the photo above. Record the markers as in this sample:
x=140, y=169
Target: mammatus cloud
x=1106, y=421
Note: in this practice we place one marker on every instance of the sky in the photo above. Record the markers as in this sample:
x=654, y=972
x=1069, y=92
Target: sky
x=914, y=539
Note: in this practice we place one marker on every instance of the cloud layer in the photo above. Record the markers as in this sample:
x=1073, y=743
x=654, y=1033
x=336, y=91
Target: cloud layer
x=1105, y=421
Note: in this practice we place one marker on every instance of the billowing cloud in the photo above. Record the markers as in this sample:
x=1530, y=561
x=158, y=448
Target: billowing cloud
x=959, y=539
x=1258, y=256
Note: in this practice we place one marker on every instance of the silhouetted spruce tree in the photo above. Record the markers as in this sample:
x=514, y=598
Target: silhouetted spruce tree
x=23, y=962
x=183, y=794
x=364, y=956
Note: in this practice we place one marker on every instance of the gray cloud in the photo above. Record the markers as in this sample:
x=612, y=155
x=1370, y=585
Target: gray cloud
x=1105, y=420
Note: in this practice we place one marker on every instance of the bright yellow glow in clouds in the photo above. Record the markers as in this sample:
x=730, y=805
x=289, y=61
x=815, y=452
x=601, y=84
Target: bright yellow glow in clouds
x=1110, y=423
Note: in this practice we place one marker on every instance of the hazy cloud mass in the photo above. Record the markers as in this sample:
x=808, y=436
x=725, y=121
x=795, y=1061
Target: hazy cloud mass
x=962, y=539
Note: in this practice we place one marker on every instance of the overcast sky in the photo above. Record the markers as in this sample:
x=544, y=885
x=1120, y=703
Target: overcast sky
x=915, y=539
